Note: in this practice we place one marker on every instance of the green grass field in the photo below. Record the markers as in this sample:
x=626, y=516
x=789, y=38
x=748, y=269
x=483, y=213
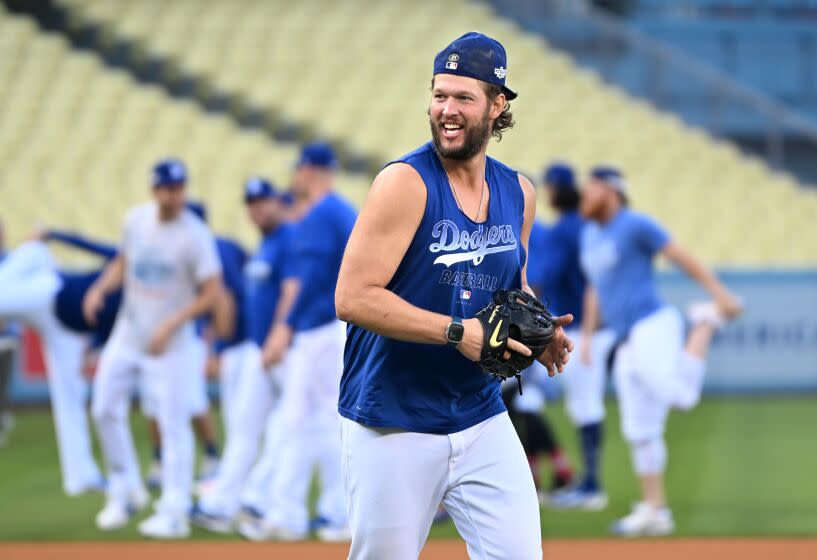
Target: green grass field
x=738, y=467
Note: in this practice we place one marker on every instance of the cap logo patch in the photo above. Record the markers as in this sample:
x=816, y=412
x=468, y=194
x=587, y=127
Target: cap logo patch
x=500, y=72
x=453, y=61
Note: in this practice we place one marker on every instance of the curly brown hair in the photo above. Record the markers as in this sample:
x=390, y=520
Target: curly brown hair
x=505, y=119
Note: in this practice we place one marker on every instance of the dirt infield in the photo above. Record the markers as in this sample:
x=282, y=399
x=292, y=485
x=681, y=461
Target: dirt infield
x=676, y=549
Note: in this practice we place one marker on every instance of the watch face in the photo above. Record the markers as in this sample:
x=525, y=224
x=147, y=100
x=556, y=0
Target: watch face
x=455, y=332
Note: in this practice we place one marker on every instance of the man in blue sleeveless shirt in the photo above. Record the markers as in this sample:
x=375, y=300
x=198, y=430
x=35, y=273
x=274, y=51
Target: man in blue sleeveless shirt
x=443, y=228
x=656, y=368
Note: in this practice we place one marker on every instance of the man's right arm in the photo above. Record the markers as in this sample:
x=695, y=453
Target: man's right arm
x=382, y=234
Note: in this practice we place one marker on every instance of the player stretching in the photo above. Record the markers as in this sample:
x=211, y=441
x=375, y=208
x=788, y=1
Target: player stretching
x=654, y=370
x=171, y=274
x=443, y=227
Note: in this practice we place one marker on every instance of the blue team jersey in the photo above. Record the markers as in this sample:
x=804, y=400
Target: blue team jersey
x=233, y=258
x=320, y=240
x=617, y=258
x=563, y=281
x=270, y=265
x=536, y=249
x=68, y=306
x=452, y=267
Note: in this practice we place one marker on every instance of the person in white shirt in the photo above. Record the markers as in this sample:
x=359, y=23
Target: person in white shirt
x=171, y=274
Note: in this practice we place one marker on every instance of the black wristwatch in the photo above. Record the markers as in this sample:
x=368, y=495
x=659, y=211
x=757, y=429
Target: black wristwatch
x=454, y=331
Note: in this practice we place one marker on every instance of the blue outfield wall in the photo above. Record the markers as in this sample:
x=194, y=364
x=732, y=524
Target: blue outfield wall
x=772, y=348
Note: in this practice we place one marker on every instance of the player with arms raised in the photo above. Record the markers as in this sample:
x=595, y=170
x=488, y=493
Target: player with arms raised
x=443, y=228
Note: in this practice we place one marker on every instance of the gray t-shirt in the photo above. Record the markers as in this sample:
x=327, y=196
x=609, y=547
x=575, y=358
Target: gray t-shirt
x=166, y=263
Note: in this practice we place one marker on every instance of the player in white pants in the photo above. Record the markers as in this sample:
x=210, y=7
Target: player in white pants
x=171, y=274
x=307, y=415
x=254, y=382
x=655, y=368
x=29, y=285
x=442, y=228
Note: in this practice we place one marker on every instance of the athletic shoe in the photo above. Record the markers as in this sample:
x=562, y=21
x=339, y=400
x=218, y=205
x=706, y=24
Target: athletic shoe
x=317, y=523
x=333, y=533
x=154, y=476
x=579, y=498
x=706, y=312
x=645, y=520
x=262, y=531
x=116, y=514
x=249, y=514
x=165, y=526
x=221, y=524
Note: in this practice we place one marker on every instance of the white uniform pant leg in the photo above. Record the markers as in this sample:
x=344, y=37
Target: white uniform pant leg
x=196, y=368
x=656, y=346
x=584, y=383
x=491, y=496
x=169, y=379
x=231, y=367
x=69, y=392
x=110, y=407
x=257, y=490
x=643, y=416
x=254, y=400
x=394, y=481
x=332, y=501
x=28, y=283
x=297, y=449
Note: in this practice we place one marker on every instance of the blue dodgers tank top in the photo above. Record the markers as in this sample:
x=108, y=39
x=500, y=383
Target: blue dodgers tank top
x=452, y=266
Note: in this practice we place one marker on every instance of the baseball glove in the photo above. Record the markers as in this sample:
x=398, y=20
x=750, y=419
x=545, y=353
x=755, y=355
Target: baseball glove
x=518, y=315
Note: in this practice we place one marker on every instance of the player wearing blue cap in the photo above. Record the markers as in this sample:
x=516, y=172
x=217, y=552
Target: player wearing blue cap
x=655, y=369
x=252, y=383
x=34, y=291
x=312, y=340
x=564, y=284
x=170, y=272
x=442, y=228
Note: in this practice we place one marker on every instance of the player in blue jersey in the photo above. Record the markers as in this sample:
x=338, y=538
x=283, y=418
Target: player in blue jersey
x=656, y=367
x=252, y=381
x=442, y=228
x=564, y=283
x=312, y=340
x=35, y=291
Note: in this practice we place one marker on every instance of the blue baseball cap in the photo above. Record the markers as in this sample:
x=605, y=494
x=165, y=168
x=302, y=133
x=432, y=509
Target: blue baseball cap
x=560, y=176
x=198, y=208
x=611, y=176
x=476, y=56
x=318, y=154
x=169, y=171
x=258, y=188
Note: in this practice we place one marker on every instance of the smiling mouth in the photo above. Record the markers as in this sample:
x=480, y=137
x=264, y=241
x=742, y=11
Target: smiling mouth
x=451, y=130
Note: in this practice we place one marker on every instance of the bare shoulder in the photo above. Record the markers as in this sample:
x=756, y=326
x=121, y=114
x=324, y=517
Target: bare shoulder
x=398, y=192
x=399, y=179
